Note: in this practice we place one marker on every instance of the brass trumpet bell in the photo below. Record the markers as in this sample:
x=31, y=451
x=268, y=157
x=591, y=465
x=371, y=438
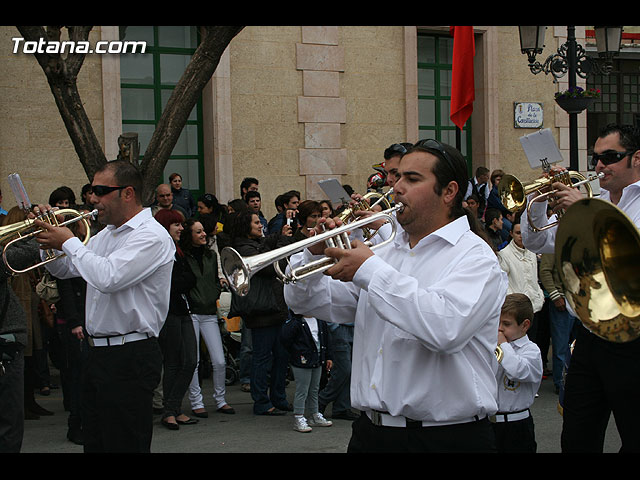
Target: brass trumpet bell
x=239, y=270
x=348, y=215
x=513, y=193
x=598, y=258
x=10, y=234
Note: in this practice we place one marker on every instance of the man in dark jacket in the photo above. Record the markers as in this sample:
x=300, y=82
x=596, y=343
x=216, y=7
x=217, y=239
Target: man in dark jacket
x=13, y=338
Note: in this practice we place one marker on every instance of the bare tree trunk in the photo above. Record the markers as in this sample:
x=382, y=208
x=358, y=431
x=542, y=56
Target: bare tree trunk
x=182, y=100
x=62, y=73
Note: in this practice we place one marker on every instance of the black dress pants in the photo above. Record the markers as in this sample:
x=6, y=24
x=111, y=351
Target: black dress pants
x=472, y=437
x=603, y=377
x=118, y=397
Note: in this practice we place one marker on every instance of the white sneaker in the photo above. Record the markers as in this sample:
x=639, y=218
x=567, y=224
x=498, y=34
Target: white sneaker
x=317, y=420
x=300, y=424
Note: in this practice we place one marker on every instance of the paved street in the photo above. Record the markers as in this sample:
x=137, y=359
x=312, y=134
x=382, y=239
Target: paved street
x=248, y=433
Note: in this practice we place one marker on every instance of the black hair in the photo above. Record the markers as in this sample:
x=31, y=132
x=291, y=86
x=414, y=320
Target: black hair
x=250, y=194
x=62, y=193
x=241, y=225
x=396, y=149
x=306, y=208
x=629, y=136
x=247, y=182
x=490, y=215
x=449, y=167
x=125, y=174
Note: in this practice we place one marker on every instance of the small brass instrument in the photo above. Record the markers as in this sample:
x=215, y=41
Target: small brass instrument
x=238, y=270
x=27, y=229
x=16, y=232
x=598, y=257
x=513, y=193
x=348, y=215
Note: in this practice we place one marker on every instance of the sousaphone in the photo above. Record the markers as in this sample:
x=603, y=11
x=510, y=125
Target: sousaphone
x=598, y=257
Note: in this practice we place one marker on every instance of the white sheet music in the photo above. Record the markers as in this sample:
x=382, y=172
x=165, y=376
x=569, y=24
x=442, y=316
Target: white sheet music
x=334, y=190
x=540, y=147
x=22, y=199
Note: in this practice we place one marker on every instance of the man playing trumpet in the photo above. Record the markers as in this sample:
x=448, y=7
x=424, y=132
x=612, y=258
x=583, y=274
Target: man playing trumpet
x=603, y=376
x=426, y=309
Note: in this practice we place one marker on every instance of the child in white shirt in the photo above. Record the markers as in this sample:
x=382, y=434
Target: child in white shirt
x=519, y=375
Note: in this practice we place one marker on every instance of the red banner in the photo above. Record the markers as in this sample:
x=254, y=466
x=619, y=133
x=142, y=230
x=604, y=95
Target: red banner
x=462, y=84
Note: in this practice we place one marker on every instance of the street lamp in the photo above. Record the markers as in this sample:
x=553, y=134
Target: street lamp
x=571, y=58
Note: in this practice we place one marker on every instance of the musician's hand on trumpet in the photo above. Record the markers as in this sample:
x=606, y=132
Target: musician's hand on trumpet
x=349, y=260
x=564, y=196
x=51, y=236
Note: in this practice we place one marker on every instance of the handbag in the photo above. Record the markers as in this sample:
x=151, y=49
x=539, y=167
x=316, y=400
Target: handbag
x=47, y=288
x=261, y=299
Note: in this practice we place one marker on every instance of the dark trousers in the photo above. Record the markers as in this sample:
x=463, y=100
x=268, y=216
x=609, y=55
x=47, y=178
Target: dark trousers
x=73, y=357
x=515, y=437
x=12, y=405
x=268, y=370
x=179, y=350
x=118, y=396
x=603, y=377
x=476, y=437
x=337, y=389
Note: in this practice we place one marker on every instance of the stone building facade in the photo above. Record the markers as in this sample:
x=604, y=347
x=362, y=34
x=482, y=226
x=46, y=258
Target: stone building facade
x=290, y=105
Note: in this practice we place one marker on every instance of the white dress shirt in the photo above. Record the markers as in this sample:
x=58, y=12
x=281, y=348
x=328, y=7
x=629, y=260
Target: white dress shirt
x=544, y=242
x=128, y=275
x=521, y=266
x=519, y=375
x=426, y=324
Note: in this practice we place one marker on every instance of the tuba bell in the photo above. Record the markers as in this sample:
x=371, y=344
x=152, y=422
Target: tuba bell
x=597, y=254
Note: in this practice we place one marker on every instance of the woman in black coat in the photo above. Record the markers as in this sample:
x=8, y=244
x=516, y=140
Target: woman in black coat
x=177, y=337
x=269, y=358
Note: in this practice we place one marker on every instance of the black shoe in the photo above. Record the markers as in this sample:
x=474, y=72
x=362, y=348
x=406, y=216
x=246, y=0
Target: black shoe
x=170, y=425
x=346, y=415
x=203, y=414
x=29, y=415
x=38, y=410
x=285, y=408
x=227, y=409
x=273, y=411
x=190, y=421
x=75, y=435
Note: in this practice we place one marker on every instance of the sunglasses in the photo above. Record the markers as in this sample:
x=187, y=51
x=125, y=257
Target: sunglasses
x=102, y=190
x=436, y=145
x=609, y=157
x=396, y=147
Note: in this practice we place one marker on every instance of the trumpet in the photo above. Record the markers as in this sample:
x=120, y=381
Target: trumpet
x=18, y=229
x=513, y=193
x=349, y=214
x=238, y=270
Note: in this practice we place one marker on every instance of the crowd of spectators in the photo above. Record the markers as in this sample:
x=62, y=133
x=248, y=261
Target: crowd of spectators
x=277, y=345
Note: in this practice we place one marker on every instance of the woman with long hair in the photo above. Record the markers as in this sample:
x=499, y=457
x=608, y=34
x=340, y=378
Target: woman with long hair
x=202, y=300
x=269, y=358
x=177, y=337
